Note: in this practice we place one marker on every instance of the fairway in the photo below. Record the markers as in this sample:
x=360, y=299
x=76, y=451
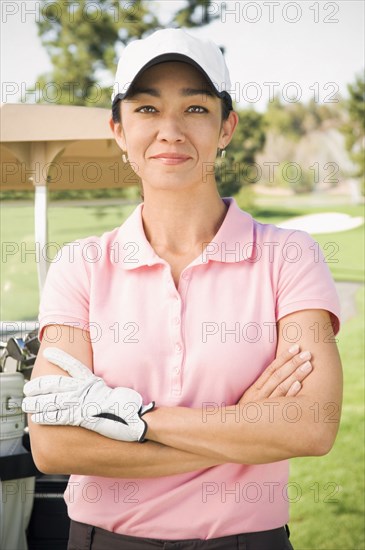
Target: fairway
x=19, y=284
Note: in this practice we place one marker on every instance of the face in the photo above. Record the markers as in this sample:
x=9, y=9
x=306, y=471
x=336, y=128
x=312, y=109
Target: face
x=171, y=128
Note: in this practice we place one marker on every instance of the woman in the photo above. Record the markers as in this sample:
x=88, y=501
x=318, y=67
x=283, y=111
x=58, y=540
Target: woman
x=222, y=327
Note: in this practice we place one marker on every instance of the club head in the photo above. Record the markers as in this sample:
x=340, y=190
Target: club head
x=3, y=355
x=31, y=343
x=15, y=349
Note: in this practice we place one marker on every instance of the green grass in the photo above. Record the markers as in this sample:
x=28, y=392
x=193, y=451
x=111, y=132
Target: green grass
x=19, y=283
x=344, y=253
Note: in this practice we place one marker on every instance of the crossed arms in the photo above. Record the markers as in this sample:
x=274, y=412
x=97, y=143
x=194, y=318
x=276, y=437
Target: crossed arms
x=271, y=422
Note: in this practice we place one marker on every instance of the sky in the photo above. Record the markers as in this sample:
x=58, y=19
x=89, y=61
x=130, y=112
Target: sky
x=305, y=49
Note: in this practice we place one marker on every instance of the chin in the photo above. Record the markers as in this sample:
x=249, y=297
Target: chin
x=168, y=181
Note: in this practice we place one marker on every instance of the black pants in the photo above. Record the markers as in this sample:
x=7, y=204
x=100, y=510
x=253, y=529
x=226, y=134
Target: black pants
x=87, y=537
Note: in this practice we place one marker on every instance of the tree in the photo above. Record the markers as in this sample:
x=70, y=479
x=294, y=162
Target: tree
x=195, y=14
x=296, y=119
x=292, y=131
x=239, y=168
x=286, y=119
x=83, y=39
x=354, y=128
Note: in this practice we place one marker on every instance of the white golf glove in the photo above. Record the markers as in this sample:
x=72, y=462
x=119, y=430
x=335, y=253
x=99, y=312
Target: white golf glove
x=84, y=400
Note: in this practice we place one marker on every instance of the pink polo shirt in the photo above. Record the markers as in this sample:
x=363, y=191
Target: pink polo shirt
x=202, y=346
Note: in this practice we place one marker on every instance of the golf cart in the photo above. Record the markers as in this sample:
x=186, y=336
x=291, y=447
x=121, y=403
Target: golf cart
x=51, y=147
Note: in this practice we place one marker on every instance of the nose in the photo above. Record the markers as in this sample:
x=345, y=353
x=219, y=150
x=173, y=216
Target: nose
x=171, y=129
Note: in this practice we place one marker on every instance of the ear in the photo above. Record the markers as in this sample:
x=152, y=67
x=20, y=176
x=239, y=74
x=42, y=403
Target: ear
x=117, y=129
x=227, y=130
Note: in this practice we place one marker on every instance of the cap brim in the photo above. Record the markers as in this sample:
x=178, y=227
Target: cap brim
x=172, y=57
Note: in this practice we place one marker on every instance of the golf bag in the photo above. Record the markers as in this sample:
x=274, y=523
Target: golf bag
x=33, y=514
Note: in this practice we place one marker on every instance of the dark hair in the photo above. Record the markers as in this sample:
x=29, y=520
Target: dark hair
x=227, y=106
x=226, y=101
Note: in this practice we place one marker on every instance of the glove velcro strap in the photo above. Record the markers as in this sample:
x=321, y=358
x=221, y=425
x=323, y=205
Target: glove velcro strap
x=141, y=438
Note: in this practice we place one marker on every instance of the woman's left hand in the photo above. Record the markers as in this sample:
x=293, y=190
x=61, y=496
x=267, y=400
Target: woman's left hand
x=282, y=378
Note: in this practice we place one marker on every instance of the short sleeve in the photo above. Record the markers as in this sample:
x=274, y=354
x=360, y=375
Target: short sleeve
x=65, y=296
x=305, y=281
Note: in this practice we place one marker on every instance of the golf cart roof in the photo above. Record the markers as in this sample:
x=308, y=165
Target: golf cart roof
x=27, y=122
x=58, y=147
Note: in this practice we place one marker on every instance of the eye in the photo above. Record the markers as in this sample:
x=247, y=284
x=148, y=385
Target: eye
x=145, y=109
x=202, y=109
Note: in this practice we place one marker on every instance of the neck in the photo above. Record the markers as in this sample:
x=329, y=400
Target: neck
x=179, y=222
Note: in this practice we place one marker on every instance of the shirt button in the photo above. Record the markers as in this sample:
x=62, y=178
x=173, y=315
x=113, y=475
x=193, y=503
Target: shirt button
x=178, y=348
x=177, y=320
x=177, y=370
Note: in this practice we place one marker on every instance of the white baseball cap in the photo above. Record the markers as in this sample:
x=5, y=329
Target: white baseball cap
x=172, y=45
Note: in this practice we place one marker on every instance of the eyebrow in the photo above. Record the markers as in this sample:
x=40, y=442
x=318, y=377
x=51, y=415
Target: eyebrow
x=186, y=92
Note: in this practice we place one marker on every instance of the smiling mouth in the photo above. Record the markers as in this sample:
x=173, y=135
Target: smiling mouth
x=171, y=160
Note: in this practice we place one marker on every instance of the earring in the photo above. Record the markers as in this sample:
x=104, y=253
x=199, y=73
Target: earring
x=223, y=153
x=124, y=158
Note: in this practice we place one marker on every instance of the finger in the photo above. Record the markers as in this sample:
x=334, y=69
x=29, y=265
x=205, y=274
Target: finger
x=294, y=389
x=279, y=361
x=28, y=405
x=39, y=418
x=34, y=405
x=48, y=417
x=279, y=381
x=68, y=363
x=62, y=414
x=300, y=373
x=38, y=404
x=50, y=401
x=51, y=383
x=41, y=403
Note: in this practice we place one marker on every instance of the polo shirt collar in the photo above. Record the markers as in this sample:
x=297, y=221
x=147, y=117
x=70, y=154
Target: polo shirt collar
x=233, y=241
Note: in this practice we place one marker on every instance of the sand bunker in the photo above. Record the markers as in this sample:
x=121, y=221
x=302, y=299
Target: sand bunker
x=326, y=222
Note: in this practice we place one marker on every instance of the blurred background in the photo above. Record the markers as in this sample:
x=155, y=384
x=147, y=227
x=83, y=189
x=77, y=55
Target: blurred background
x=297, y=160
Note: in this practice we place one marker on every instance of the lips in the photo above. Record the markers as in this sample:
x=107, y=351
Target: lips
x=171, y=159
x=175, y=156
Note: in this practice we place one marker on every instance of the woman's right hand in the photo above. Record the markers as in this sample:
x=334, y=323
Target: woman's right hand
x=282, y=378
x=66, y=401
